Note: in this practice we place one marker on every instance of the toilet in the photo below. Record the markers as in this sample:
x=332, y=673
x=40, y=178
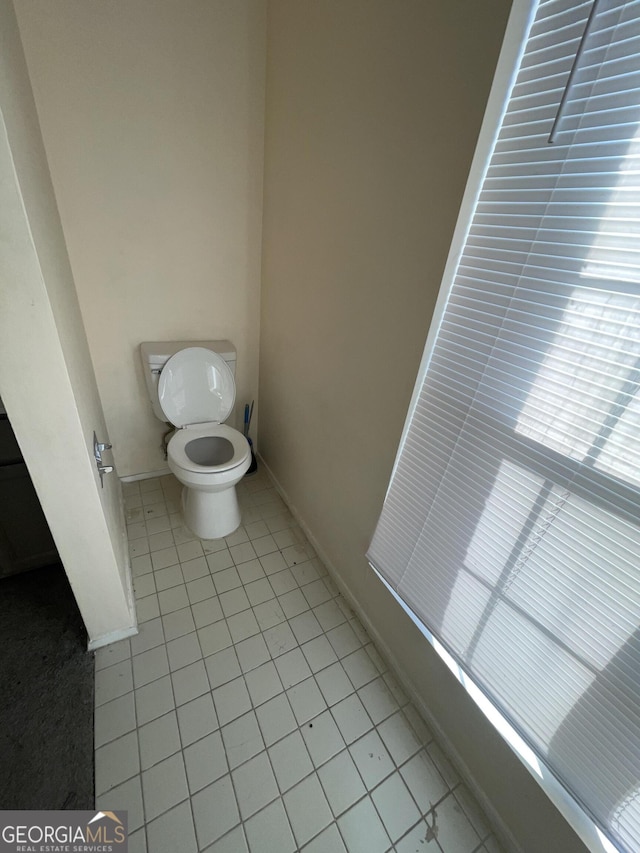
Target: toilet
x=192, y=387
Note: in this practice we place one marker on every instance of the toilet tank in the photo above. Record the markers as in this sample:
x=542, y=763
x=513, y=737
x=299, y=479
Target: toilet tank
x=155, y=354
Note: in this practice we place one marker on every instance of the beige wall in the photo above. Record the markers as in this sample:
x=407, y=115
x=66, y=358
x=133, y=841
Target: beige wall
x=152, y=118
x=373, y=109
x=46, y=378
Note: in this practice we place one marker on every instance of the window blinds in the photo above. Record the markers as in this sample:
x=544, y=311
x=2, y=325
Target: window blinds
x=511, y=524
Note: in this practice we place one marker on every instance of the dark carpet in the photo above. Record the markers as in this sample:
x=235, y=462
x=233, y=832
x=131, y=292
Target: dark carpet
x=46, y=695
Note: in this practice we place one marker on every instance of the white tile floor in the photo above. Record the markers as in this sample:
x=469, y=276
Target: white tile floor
x=252, y=712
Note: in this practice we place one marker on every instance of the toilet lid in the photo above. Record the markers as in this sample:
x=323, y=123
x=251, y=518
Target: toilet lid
x=196, y=386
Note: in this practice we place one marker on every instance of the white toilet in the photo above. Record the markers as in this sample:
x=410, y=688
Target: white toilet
x=192, y=386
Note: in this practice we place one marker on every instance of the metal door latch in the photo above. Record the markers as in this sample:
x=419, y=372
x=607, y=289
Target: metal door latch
x=98, y=448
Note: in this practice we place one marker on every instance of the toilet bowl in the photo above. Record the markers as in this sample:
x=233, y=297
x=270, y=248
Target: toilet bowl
x=196, y=391
x=209, y=461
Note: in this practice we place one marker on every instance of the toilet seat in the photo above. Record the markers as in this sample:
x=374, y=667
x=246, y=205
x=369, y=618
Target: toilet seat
x=197, y=391
x=179, y=453
x=196, y=386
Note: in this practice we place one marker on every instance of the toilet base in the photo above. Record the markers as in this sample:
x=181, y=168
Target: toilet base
x=211, y=515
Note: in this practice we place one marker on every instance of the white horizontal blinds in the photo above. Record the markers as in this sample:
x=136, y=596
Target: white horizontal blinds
x=511, y=525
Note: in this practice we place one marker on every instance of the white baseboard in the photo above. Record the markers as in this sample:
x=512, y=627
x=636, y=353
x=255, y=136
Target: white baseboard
x=505, y=837
x=147, y=475
x=112, y=637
